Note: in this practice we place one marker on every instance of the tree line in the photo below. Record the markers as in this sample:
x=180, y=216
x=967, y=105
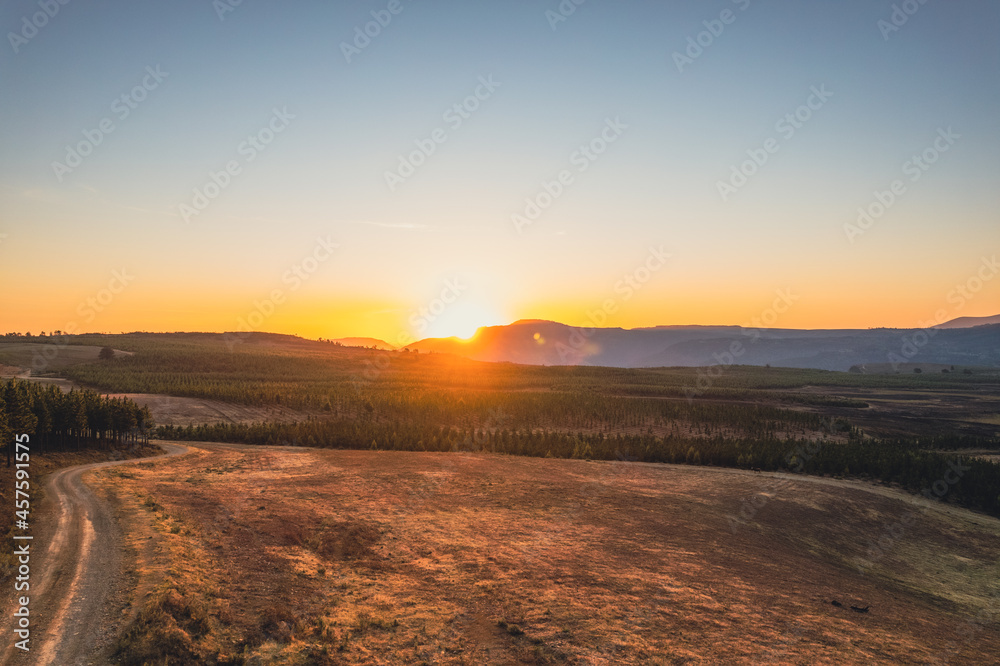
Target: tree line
x=906, y=462
x=80, y=419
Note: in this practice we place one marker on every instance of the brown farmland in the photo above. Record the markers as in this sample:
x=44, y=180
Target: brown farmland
x=304, y=556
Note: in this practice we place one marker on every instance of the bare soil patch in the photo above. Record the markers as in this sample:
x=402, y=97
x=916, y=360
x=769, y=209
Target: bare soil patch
x=904, y=412
x=172, y=410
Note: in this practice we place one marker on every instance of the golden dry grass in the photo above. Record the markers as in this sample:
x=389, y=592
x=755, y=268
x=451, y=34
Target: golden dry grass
x=20, y=356
x=301, y=556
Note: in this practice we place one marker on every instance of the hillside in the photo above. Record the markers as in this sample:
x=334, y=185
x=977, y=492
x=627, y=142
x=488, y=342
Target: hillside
x=294, y=556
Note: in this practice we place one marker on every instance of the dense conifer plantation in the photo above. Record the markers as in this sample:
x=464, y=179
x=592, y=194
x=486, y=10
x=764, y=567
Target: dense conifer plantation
x=62, y=421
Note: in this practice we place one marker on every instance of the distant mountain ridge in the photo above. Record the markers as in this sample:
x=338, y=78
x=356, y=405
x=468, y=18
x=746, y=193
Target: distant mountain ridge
x=540, y=342
x=364, y=342
x=969, y=322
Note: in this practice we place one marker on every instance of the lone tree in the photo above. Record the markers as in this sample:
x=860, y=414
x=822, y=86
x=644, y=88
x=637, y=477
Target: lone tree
x=106, y=353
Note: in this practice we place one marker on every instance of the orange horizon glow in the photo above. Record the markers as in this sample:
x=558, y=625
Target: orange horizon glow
x=391, y=322
x=593, y=183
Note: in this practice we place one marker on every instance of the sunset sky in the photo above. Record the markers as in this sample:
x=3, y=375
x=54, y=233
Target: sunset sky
x=440, y=251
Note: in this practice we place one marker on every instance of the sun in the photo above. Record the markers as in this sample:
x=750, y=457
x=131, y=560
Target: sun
x=461, y=320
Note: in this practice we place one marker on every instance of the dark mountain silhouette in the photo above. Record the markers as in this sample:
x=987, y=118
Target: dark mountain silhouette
x=538, y=342
x=968, y=322
x=364, y=342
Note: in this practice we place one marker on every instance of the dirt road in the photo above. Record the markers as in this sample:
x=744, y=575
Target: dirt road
x=76, y=570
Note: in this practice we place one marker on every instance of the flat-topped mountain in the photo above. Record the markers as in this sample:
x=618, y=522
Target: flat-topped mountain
x=538, y=342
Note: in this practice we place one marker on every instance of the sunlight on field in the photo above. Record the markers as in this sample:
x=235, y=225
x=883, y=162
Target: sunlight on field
x=381, y=557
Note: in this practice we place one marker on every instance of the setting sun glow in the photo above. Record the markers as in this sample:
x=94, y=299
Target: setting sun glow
x=462, y=320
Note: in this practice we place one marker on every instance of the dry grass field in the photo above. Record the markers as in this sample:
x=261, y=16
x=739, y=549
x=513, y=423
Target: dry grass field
x=18, y=357
x=303, y=556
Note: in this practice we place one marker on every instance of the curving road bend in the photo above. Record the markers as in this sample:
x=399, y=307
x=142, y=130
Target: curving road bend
x=76, y=567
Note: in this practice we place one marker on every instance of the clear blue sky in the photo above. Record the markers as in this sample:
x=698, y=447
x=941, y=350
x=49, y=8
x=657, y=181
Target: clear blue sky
x=656, y=185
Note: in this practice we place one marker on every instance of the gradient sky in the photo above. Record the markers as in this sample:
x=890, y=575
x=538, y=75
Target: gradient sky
x=655, y=186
